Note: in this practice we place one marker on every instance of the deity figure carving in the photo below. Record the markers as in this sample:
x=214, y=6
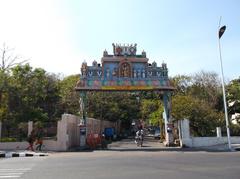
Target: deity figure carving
x=139, y=73
x=165, y=72
x=149, y=73
x=99, y=73
x=84, y=69
x=135, y=73
x=118, y=50
x=108, y=73
x=90, y=73
x=143, y=73
x=125, y=70
x=114, y=73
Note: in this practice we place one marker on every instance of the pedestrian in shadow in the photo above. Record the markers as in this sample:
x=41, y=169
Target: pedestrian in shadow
x=39, y=137
x=103, y=141
x=31, y=139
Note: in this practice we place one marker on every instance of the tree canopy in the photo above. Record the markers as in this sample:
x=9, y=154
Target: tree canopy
x=34, y=94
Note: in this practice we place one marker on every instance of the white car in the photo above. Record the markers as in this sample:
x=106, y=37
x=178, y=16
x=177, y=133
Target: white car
x=157, y=134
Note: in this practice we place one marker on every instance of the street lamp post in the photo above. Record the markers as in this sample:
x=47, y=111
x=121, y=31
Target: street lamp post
x=220, y=33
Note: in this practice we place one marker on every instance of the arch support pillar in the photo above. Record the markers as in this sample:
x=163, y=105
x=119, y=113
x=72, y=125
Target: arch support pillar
x=83, y=102
x=167, y=119
x=83, y=122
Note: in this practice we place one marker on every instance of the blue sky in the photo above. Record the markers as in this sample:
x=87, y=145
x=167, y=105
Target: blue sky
x=59, y=35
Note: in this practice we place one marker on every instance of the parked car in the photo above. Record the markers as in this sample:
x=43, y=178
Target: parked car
x=157, y=133
x=110, y=133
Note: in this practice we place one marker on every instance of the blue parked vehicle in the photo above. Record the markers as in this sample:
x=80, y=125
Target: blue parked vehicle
x=110, y=133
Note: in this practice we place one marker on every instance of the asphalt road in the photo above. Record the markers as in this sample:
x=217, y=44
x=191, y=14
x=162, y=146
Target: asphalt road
x=125, y=165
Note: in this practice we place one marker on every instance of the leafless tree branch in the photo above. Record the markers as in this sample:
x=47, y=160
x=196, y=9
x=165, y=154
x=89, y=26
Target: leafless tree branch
x=8, y=61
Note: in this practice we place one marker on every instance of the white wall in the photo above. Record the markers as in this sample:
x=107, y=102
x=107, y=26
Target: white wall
x=13, y=145
x=68, y=134
x=209, y=141
x=189, y=141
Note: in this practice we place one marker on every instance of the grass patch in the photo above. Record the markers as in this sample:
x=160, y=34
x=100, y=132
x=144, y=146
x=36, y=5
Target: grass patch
x=8, y=139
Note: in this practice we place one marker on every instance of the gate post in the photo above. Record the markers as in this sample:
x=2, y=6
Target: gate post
x=167, y=121
x=185, y=133
x=30, y=127
x=83, y=122
x=219, y=132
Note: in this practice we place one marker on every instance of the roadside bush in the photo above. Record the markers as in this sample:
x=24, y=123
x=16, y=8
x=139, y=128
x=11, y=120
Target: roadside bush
x=235, y=130
x=8, y=139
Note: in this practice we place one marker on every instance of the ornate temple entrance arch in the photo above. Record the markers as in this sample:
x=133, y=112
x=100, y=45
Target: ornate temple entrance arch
x=126, y=71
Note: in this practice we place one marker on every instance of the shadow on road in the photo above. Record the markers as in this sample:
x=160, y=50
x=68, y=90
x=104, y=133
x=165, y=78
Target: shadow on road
x=151, y=145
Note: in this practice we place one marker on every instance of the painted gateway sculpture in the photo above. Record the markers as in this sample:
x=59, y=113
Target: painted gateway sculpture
x=124, y=71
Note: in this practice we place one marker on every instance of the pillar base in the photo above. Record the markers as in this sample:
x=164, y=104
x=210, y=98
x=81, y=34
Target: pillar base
x=169, y=140
x=168, y=144
x=187, y=142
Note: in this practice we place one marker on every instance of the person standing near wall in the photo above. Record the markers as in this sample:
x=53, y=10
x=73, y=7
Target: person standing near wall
x=30, y=140
x=39, y=141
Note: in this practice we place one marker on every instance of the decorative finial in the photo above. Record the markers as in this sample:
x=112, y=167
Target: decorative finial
x=105, y=53
x=154, y=64
x=143, y=53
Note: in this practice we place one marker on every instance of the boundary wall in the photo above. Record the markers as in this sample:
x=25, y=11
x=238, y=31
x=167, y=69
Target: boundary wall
x=68, y=134
x=187, y=140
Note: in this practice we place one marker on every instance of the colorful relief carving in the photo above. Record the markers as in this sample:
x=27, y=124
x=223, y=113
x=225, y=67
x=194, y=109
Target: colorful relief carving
x=124, y=70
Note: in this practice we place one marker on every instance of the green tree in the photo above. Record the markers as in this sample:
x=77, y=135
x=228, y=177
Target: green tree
x=182, y=83
x=233, y=98
x=113, y=106
x=206, y=86
x=69, y=102
x=33, y=94
x=149, y=106
x=203, y=118
x=7, y=62
x=4, y=96
x=202, y=85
